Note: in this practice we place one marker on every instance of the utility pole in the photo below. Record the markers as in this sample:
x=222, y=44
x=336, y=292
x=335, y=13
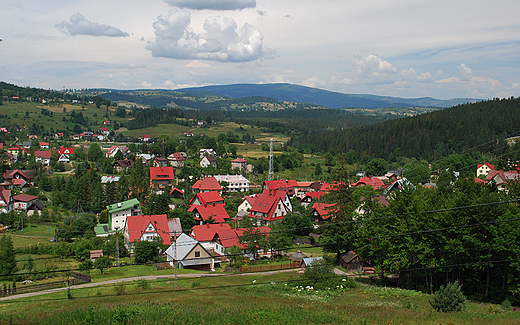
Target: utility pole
x=175, y=259
x=271, y=174
x=117, y=246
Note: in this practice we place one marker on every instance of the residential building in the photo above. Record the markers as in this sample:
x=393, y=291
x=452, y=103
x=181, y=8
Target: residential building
x=43, y=157
x=65, y=154
x=207, y=152
x=208, y=161
x=269, y=207
x=310, y=197
x=215, y=237
x=160, y=162
x=161, y=177
x=190, y=254
x=239, y=163
x=247, y=203
x=323, y=211
x=207, y=184
x=215, y=213
x=6, y=201
x=207, y=198
x=236, y=183
x=124, y=164
x=29, y=203
x=118, y=212
x=146, y=228
x=177, y=159
x=484, y=169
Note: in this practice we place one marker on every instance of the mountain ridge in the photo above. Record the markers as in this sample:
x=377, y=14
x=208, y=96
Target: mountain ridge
x=331, y=99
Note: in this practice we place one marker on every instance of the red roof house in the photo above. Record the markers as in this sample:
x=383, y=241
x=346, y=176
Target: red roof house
x=146, y=228
x=161, y=176
x=270, y=206
x=375, y=182
x=322, y=211
x=204, y=213
x=207, y=198
x=208, y=184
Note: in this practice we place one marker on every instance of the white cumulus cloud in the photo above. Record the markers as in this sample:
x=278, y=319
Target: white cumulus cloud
x=79, y=25
x=212, y=4
x=465, y=72
x=223, y=40
x=373, y=70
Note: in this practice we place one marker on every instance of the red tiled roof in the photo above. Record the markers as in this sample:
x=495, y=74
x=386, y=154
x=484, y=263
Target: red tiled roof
x=137, y=226
x=487, y=164
x=479, y=180
x=267, y=203
x=324, y=209
x=314, y=195
x=161, y=173
x=375, y=182
x=327, y=187
x=217, y=212
x=207, y=232
x=239, y=160
x=208, y=198
x=43, y=154
x=273, y=185
x=209, y=183
x=24, y=197
x=66, y=151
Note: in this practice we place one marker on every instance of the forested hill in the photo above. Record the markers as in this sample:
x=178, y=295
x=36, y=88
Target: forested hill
x=302, y=94
x=481, y=127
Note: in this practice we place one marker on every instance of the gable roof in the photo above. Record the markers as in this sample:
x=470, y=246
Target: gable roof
x=324, y=209
x=122, y=205
x=486, y=164
x=313, y=195
x=375, y=182
x=216, y=212
x=161, y=173
x=24, y=198
x=209, y=183
x=43, y=154
x=207, y=232
x=267, y=203
x=137, y=225
x=277, y=184
x=208, y=198
x=66, y=151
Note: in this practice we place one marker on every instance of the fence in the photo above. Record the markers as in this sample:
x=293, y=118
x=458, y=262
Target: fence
x=77, y=278
x=263, y=268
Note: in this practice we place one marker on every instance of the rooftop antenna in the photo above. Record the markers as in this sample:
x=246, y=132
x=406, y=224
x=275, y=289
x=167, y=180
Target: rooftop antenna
x=270, y=177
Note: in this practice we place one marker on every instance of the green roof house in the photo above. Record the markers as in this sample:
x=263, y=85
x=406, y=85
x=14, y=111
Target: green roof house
x=119, y=211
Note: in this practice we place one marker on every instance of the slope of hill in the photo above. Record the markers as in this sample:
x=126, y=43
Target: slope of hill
x=302, y=94
x=480, y=127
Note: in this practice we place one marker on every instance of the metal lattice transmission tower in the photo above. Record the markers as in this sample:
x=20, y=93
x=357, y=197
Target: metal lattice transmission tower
x=271, y=174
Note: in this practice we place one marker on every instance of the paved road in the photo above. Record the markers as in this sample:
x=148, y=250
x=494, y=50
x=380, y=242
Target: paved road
x=146, y=277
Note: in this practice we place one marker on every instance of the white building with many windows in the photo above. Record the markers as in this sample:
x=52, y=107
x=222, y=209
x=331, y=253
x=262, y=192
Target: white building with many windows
x=236, y=183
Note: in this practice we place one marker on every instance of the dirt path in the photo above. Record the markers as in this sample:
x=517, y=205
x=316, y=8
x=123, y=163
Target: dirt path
x=145, y=277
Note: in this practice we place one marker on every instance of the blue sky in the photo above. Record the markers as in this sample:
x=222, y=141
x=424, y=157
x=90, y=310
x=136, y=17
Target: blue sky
x=406, y=48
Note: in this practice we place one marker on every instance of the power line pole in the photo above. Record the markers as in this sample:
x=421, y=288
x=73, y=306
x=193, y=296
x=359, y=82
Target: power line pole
x=271, y=174
x=117, y=246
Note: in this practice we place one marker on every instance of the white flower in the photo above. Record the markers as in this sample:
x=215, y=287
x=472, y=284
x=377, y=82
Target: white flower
x=344, y=280
x=254, y=281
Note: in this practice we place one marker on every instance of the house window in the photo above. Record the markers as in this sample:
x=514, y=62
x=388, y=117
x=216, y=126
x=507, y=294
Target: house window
x=197, y=254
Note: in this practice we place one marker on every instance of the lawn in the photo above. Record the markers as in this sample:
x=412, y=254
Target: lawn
x=247, y=299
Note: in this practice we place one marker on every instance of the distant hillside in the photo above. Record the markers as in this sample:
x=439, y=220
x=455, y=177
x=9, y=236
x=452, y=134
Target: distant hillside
x=479, y=127
x=302, y=94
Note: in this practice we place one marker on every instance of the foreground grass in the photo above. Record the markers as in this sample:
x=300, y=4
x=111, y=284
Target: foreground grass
x=248, y=299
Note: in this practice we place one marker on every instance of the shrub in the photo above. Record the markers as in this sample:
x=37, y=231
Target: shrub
x=143, y=284
x=449, y=299
x=120, y=289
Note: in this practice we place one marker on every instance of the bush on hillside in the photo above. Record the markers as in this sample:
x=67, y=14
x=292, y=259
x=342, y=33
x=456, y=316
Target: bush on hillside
x=449, y=299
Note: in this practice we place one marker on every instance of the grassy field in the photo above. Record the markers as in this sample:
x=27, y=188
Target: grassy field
x=243, y=299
